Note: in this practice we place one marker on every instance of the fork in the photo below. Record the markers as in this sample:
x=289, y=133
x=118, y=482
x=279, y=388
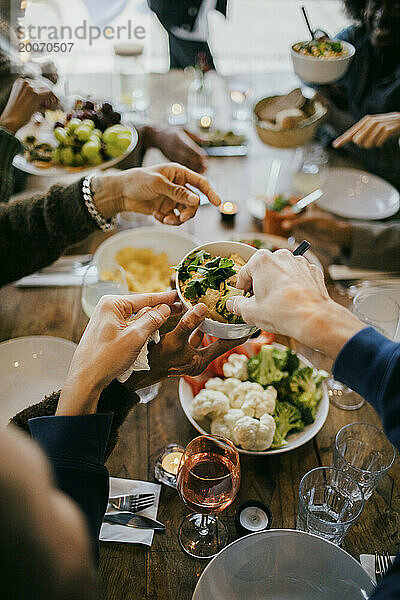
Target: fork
x=382, y=564
x=132, y=502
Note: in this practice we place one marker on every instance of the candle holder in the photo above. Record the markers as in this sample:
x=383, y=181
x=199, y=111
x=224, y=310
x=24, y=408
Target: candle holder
x=205, y=122
x=167, y=464
x=228, y=211
x=252, y=516
x=177, y=114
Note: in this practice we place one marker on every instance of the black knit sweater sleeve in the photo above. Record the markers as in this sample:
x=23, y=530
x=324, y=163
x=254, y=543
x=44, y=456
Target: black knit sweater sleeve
x=9, y=147
x=116, y=398
x=35, y=231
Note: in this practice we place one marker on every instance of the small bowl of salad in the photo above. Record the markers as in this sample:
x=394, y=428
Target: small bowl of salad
x=208, y=275
x=321, y=61
x=277, y=210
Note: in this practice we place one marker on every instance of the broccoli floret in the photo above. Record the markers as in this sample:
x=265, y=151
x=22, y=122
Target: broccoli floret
x=307, y=403
x=285, y=360
x=262, y=368
x=287, y=418
x=278, y=441
x=283, y=387
x=302, y=380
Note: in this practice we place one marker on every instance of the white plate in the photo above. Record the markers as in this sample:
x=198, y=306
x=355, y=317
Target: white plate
x=275, y=241
x=22, y=164
x=355, y=194
x=282, y=564
x=295, y=440
x=175, y=243
x=30, y=369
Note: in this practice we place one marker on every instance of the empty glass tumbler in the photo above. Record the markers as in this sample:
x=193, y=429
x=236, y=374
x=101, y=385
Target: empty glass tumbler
x=330, y=502
x=363, y=451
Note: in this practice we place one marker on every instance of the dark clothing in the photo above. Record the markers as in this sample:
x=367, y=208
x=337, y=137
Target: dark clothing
x=77, y=448
x=183, y=14
x=369, y=87
x=370, y=364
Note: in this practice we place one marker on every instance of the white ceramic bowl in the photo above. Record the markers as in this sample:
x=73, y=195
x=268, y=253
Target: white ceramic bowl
x=322, y=70
x=295, y=440
x=282, y=564
x=224, y=331
x=174, y=243
x=30, y=369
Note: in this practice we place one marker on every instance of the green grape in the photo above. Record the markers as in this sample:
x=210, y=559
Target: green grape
x=96, y=160
x=123, y=141
x=88, y=123
x=56, y=156
x=91, y=149
x=83, y=133
x=61, y=135
x=73, y=124
x=110, y=136
x=67, y=156
x=78, y=160
x=97, y=133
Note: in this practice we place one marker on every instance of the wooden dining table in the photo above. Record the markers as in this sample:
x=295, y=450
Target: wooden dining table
x=164, y=571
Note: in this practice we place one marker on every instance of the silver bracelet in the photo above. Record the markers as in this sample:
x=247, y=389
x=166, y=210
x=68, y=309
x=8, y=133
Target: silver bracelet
x=104, y=224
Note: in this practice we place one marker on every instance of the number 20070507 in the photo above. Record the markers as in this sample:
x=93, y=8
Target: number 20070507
x=45, y=46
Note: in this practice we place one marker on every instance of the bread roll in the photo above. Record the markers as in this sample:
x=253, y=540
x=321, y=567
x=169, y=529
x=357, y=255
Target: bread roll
x=289, y=118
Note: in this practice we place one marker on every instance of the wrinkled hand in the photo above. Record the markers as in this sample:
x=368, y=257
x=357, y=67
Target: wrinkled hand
x=322, y=227
x=178, y=147
x=160, y=191
x=372, y=131
x=27, y=96
x=110, y=345
x=290, y=298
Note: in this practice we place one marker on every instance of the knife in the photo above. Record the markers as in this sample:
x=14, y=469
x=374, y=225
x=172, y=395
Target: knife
x=309, y=199
x=132, y=520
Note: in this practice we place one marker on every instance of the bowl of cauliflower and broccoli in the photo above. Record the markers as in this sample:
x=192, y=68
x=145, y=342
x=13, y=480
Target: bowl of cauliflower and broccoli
x=208, y=275
x=269, y=403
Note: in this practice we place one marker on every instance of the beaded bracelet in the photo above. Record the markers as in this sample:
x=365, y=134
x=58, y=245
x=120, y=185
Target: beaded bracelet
x=104, y=224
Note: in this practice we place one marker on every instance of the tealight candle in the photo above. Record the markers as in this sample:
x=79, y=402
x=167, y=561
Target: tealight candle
x=228, y=211
x=167, y=465
x=177, y=114
x=205, y=122
x=253, y=516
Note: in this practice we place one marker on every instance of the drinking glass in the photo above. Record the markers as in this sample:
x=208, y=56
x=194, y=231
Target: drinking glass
x=363, y=451
x=330, y=502
x=376, y=307
x=310, y=174
x=240, y=93
x=208, y=480
x=94, y=287
x=342, y=396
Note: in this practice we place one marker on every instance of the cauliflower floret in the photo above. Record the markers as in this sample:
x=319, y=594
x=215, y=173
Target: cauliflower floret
x=240, y=392
x=236, y=366
x=209, y=403
x=257, y=403
x=216, y=383
x=252, y=434
x=224, y=424
x=230, y=386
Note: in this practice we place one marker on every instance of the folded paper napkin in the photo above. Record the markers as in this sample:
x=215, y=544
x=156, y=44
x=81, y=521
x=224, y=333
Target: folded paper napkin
x=111, y=532
x=368, y=563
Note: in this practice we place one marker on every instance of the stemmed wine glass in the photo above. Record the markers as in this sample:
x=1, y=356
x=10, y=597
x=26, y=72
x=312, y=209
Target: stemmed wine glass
x=208, y=480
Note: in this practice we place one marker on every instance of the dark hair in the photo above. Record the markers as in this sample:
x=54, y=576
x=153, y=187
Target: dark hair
x=355, y=8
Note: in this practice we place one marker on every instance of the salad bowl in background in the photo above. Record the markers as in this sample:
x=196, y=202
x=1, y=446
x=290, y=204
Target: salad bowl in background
x=224, y=331
x=320, y=70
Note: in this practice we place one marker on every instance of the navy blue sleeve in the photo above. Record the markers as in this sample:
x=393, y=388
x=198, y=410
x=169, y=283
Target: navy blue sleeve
x=76, y=449
x=370, y=364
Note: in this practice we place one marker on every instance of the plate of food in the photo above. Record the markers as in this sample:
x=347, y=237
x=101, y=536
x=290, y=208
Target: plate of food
x=266, y=241
x=147, y=255
x=288, y=120
x=355, y=194
x=89, y=137
x=264, y=397
x=321, y=61
x=208, y=275
x=220, y=143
